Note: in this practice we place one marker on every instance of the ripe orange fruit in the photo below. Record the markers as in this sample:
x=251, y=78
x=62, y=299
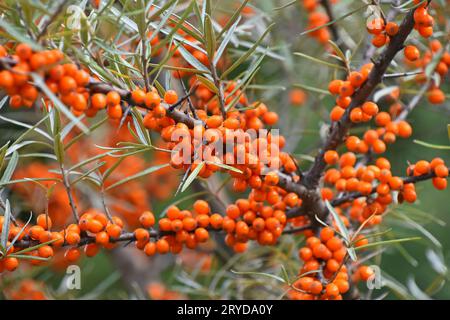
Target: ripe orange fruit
x=412, y=53
x=170, y=97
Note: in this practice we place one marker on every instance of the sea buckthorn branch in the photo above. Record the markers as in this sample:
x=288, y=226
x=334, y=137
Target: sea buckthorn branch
x=100, y=87
x=219, y=87
x=285, y=182
x=68, y=188
x=339, y=129
x=129, y=237
x=355, y=195
x=334, y=30
x=370, y=48
x=52, y=18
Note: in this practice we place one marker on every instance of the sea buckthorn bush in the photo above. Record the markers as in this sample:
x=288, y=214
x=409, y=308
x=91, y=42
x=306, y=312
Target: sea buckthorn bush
x=202, y=149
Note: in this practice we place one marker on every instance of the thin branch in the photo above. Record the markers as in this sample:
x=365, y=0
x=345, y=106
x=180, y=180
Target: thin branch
x=53, y=17
x=220, y=94
x=69, y=192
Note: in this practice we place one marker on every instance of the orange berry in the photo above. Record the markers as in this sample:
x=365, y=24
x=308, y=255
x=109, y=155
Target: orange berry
x=270, y=118
x=440, y=183
x=67, y=84
x=436, y=96
x=24, y=51
x=356, y=79
x=233, y=211
x=44, y=221
x=98, y=101
x=335, y=86
x=395, y=183
x=138, y=96
x=147, y=219
x=170, y=97
x=332, y=290
x=201, y=235
x=370, y=108
x=271, y=179
x=391, y=28
x=441, y=171
x=72, y=254
x=72, y=238
x=337, y=113
x=113, y=230
x=102, y=238
x=150, y=249
x=152, y=99
x=162, y=246
x=305, y=254
x=81, y=78
x=45, y=252
x=115, y=112
x=112, y=99
x=201, y=207
x=141, y=235
x=6, y=79
x=10, y=264
x=331, y=157
x=326, y=234
x=412, y=53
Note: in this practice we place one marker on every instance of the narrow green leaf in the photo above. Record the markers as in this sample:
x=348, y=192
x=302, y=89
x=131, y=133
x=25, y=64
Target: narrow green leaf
x=37, y=130
x=208, y=83
x=12, y=164
x=20, y=232
x=210, y=38
x=138, y=175
x=387, y=242
x=260, y=274
x=247, y=54
x=342, y=229
x=192, y=176
x=323, y=62
x=431, y=145
x=334, y=21
x=3, y=154
x=312, y=89
x=236, y=15
x=225, y=41
x=59, y=148
x=192, y=60
x=6, y=223
x=225, y=166
x=141, y=130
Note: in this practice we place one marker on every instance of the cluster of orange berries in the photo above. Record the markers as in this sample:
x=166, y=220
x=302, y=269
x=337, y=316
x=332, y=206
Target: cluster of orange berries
x=70, y=84
x=437, y=167
x=383, y=31
x=325, y=256
x=376, y=139
x=27, y=289
x=423, y=21
x=317, y=18
x=204, y=98
x=158, y=291
x=362, y=179
x=217, y=130
x=435, y=95
x=250, y=219
x=182, y=227
x=344, y=90
x=16, y=81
